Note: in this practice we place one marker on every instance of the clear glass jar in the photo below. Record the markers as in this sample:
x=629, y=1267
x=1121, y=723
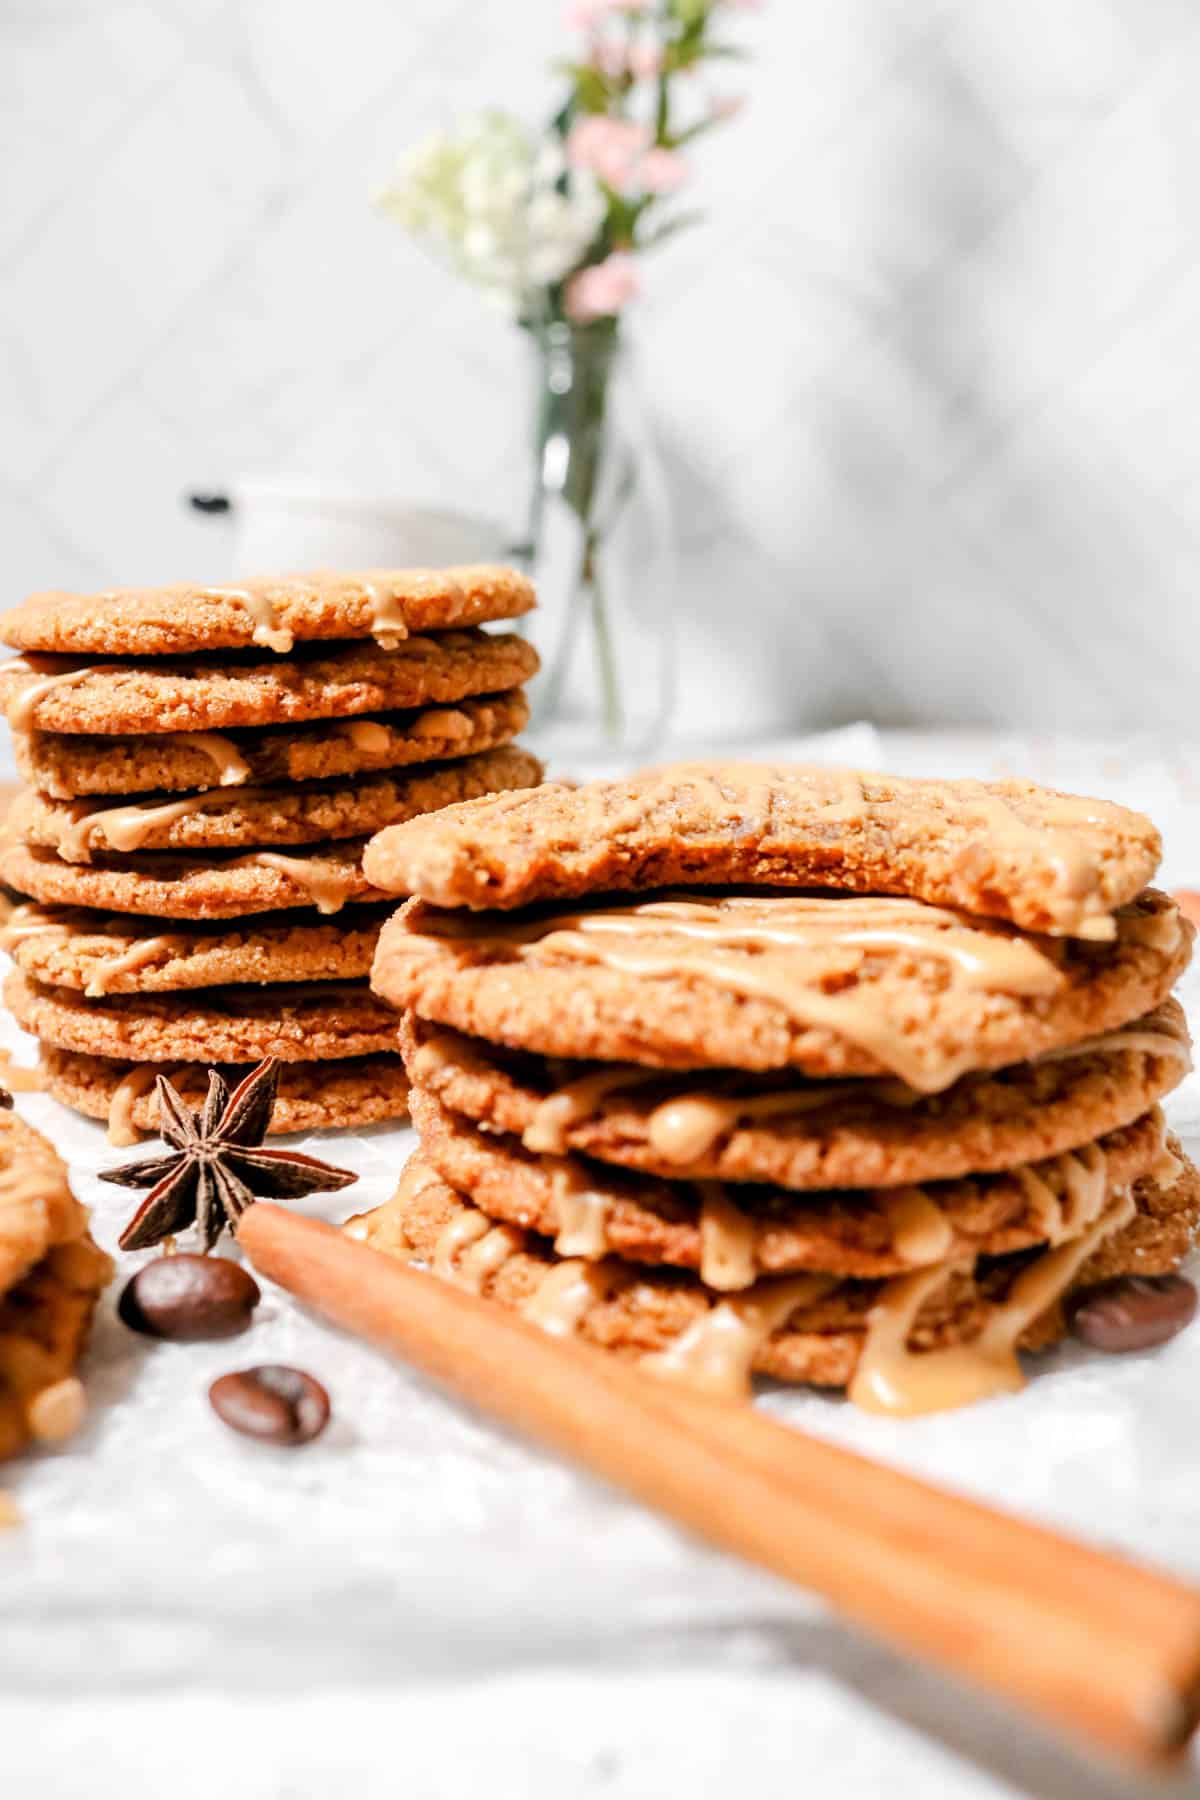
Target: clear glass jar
x=599, y=547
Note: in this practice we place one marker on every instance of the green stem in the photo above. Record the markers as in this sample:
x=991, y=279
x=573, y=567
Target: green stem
x=589, y=575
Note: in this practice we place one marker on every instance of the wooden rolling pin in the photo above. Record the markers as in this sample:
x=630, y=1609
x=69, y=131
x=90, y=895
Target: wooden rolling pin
x=1094, y=1645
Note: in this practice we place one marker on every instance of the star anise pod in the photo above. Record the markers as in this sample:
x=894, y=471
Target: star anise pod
x=219, y=1166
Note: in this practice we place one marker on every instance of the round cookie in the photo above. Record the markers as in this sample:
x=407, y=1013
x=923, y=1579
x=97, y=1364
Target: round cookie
x=44, y=1322
x=1048, y=862
x=198, y=887
x=225, y=818
x=830, y=985
x=66, y=767
x=797, y=1134
x=324, y=1020
x=354, y=1091
x=108, y=953
x=640, y=1312
x=226, y=693
x=271, y=611
x=37, y=1207
x=772, y=1231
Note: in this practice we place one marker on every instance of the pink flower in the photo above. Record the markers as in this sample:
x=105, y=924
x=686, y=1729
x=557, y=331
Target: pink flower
x=645, y=61
x=602, y=290
x=662, y=171
x=586, y=15
x=610, y=148
x=727, y=106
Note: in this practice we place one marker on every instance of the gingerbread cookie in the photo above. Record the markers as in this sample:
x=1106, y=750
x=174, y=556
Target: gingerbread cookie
x=224, y=818
x=734, y=1233
x=307, y=1023
x=62, y=694
x=113, y=953
x=272, y=612
x=829, y=985
x=44, y=1322
x=809, y=1328
x=352, y=1092
x=1048, y=862
x=328, y=876
x=37, y=1207
x=66, y=767
x=793, y=1133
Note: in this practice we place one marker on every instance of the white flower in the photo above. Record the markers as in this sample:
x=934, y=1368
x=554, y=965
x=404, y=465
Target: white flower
x=498, y=204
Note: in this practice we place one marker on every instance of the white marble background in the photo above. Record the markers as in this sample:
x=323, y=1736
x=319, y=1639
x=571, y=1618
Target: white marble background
x=927, y=378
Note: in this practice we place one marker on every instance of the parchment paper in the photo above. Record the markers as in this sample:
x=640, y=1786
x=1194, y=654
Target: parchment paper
x=164, y=1557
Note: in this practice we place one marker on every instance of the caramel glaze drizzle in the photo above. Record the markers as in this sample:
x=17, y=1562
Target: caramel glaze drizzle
x=688, y=1126
x=717, y=1351
x=567, y=1291
x=715, y=938
x=470, y=1249
x=21, y=709
x=125, y=828
x=891, y=1378
x=328, y=888
x=129, y=1090
x=231, y=766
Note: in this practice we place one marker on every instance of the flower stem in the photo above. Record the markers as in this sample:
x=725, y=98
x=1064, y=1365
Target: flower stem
x=590, y=579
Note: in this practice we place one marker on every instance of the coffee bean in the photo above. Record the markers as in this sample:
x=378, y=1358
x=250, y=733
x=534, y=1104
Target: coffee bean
x=1131, y=1312
x=278, y=1404
x=188, y=1298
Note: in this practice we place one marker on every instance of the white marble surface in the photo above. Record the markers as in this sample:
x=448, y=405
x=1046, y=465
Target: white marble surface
x=927, y=378
x=417, y=1604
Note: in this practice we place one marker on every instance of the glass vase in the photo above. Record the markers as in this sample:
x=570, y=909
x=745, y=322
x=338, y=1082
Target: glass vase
x=599, y=547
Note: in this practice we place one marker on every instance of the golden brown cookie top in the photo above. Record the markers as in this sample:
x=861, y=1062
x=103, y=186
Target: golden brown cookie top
x=66, y=766
x=228, y=818
x=1050, y=862
x=273, y=612
x=712, y=1125
x=227, y=692
x=832, y=985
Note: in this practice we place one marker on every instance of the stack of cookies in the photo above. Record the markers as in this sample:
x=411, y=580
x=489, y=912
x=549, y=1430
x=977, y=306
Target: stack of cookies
x=864, y=1094
x=205, y=766
x=51, y=1274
